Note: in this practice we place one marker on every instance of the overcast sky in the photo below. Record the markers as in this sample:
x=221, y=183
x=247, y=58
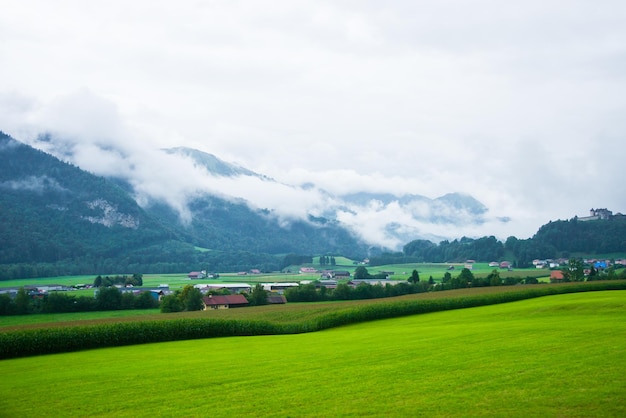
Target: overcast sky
x=520, y=104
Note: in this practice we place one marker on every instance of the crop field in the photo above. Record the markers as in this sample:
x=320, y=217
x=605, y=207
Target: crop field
x=554, y=356
x=280, y=314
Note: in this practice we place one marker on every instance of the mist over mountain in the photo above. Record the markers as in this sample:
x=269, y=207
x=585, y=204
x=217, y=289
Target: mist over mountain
x=371, y=216
x=54, y=211
x=181, y=177
x=60, y=219
x=211, y=163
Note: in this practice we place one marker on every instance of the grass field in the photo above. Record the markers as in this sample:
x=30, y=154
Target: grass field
x=179, y=280
x=555, y=356
x=287, y=313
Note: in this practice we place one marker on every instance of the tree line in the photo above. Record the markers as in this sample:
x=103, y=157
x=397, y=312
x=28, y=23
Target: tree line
x=106, y=299
x=559, y=239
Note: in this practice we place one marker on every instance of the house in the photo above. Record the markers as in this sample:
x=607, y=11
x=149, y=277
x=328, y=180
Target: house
x=341, y=273
x=326, y=274
x=556, y=276
x=274, y=299
x=196, y=275
x=307, y=270
x=224, y=301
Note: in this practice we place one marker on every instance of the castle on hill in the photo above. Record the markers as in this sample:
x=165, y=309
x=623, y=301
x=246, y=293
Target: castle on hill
x=597, y=214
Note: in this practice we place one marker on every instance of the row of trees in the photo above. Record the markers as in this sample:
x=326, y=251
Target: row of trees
x=106, y=299
x=557, y=239
x=343, y=291
x=107, y=281
x=326, y=260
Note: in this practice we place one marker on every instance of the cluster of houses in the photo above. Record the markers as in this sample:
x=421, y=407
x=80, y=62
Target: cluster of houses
x=38, y=291
x=557, y=276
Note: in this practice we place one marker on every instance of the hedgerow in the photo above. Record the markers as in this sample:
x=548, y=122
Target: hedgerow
x=66, y=339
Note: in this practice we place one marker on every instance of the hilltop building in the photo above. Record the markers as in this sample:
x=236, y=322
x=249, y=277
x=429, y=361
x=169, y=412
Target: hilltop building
x=597, y=214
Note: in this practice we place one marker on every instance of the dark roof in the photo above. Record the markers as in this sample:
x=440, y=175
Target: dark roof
x=276, y=299
x=225, y=300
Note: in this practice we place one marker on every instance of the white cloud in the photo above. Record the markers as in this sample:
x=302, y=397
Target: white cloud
x=519, y=105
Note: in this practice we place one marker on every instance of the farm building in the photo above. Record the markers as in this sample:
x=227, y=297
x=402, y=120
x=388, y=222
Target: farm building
x=278, y=287
x=224, y=302
x=329, y=284
x=231, y=287
x=556, y=276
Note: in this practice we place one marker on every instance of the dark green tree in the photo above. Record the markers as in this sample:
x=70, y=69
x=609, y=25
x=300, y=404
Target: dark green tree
x=97, y=281
x=7, y=306
x=171, y=303
x=108, y=299
x=22, y=301
x=361, y=273
x=258, y=296
x=611, y=274
x=593, y=274
x=191, y=298
x=145, y=300
x=493, y=279
x=342, y=292
x=415, y=277
x=576, y=270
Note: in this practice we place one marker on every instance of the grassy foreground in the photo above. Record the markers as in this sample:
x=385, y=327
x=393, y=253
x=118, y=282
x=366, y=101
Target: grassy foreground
x=554, y=356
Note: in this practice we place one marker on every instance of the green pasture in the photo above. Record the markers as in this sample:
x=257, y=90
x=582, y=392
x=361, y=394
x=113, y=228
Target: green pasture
x=175, y=281
x=179, y=280
x=279, y=314
x=437, y=270
x=554, y=356
x=50, y=318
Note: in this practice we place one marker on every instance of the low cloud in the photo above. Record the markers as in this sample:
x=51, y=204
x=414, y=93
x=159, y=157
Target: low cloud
x=520, y=106
x=37, y=184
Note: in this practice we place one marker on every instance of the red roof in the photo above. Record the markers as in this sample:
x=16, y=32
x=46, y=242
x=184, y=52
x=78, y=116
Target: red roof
x=556, y=275
x=225, y=300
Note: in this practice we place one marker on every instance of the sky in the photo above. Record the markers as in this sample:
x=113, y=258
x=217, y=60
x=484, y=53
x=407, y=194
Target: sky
x=519, y=104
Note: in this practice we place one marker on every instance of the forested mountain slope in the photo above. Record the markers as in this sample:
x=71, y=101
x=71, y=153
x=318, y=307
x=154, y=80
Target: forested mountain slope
x=58, y=219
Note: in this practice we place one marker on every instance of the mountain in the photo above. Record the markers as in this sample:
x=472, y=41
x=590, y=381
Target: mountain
x=53, y=211
x=372, y=217
x=452, y=208
x=211, y=163
x=60, y=219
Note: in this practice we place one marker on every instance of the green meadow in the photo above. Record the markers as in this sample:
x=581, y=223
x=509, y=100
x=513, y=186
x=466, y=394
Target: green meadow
x=553, y=356
x=179, y=280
